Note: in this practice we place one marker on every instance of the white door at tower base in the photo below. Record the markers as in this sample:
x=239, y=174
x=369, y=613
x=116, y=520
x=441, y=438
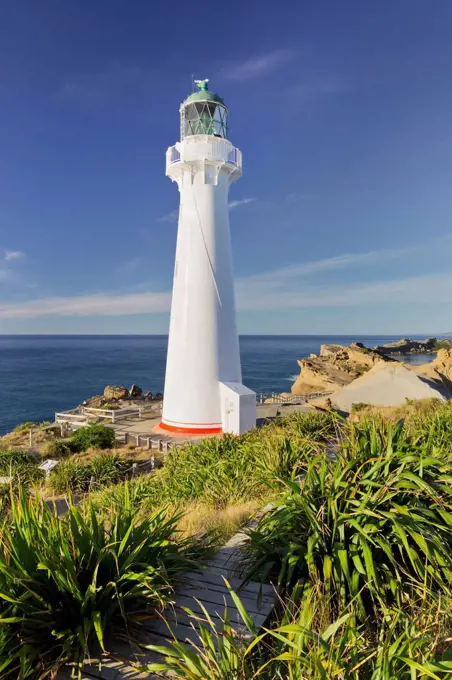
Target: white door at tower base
x=238, y=408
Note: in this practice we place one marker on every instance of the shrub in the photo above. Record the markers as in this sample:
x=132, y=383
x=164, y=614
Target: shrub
x=24, y=427
x=315, y=426
x=359, y=406
x=111, y=406
x=431, y=424
x=97, y=436
x=90, y=573
x=21, y=466
x=74, y=475
x=58, y=448
x=371, y=526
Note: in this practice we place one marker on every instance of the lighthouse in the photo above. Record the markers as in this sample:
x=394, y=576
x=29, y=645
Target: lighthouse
x=203, y=383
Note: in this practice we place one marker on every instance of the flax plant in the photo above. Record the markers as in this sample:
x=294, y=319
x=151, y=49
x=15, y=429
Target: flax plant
x=373, y=525
x=66, y=584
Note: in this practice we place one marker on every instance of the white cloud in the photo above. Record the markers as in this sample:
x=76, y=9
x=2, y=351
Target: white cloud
x=243, y=201
x=7, y=260
x=257, y=65
x=11, y=255
x=283, y=275
x=129, y=266
x=169, y=217
x=286, y=287
x=410, y=290
x=99, y=304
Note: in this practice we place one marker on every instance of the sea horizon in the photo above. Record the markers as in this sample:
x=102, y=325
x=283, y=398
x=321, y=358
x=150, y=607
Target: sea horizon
x=44, y=373
x=414, y=336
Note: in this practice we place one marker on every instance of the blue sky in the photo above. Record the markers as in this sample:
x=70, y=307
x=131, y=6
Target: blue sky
x=341, y=222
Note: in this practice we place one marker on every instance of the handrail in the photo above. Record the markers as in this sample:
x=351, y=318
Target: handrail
x=293, y=398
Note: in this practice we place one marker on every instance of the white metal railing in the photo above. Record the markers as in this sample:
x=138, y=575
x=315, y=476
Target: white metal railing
x=235, y=157
x=194, y=150
x=68, y=416
x=82, y=414
x=291, y=399
x=173, y=155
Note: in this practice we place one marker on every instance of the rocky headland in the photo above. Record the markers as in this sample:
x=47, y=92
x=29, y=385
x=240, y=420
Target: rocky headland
x=407, y=346
x=335, y=367
x=357, y=374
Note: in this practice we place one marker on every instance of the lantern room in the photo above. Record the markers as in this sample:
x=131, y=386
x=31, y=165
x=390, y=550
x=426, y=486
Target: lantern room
x=203, y=113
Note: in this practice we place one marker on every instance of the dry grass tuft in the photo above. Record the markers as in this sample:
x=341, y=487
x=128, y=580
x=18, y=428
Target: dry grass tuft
x=199, y=518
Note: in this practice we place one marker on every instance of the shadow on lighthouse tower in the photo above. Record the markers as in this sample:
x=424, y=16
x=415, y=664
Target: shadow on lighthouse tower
x=203, y=383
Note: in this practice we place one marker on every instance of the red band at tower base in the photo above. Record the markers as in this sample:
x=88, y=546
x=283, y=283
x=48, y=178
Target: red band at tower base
x=190, y=430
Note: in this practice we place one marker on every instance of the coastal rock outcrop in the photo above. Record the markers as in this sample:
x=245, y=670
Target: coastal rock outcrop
x=439, y=370
x=95, y=402
x=135, y=392
x=115, y=392
x=388, y=384
x=407, y=346
x=335, y=367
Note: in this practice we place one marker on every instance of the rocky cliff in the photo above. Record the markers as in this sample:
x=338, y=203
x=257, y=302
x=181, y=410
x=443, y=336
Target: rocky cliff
x=407, y=346
x=438, y=370
x=388, y=384
x=335, y=367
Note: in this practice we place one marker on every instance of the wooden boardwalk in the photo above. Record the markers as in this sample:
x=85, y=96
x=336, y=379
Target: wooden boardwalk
x=207, y=587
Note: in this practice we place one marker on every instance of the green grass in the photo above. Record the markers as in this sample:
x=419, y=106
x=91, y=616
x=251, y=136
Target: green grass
x=431, y=424
x=21, y=466
x=373, y=525
x=361, y=551
x=67, y=584
x=359, y=406
x=221, y=471
x=443, y=344
x=359, y=543
x=77, y=476
x=29, y=425
x=304, y=644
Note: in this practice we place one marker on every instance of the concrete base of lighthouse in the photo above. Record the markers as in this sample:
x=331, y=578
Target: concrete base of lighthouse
x=238, y=414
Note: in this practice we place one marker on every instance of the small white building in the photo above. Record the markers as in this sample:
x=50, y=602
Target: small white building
x=203, y=391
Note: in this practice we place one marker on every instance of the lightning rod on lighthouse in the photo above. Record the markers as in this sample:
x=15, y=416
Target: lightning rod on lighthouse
x=203, y=383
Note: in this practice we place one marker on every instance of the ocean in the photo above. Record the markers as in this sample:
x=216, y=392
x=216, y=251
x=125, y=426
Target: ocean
x=43, y=374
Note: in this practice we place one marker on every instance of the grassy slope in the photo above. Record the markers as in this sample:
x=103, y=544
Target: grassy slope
x=338, y=623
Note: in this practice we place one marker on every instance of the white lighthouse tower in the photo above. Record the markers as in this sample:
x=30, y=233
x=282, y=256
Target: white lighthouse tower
x=203, y=391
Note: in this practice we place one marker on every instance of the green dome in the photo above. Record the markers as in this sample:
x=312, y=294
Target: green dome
x=204, y=96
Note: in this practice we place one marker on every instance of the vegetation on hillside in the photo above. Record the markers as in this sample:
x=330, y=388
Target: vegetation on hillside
x=360, y=549
x=65, y=584
x=231, y=470
x=96, y=436
x=358, y=543
x=73, y=475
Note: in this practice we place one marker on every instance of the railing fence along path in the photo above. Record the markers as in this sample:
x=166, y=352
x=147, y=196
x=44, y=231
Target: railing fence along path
x=80, y=417
x=291, y=398
x=85, y=412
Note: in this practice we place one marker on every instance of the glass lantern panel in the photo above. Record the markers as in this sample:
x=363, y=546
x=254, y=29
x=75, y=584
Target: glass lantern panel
x=205, y=118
